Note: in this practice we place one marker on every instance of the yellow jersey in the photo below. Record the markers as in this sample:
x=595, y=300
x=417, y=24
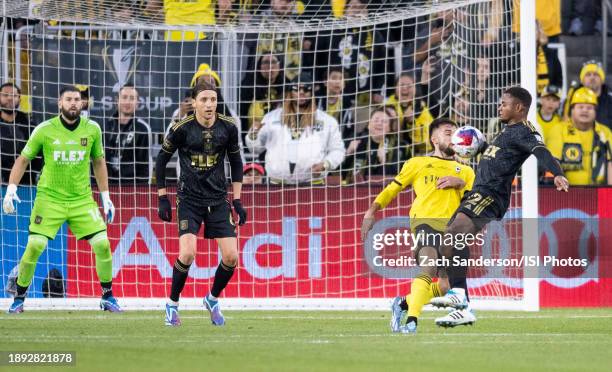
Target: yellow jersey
x=548, y=126
x=548, y=12
x=432, y=206
x=581, y=153
x=188, y=12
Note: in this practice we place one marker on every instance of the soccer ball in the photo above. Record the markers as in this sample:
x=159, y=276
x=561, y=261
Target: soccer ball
x=467, y=141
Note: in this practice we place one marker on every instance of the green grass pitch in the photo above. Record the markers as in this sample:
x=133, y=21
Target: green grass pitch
x=549, y=340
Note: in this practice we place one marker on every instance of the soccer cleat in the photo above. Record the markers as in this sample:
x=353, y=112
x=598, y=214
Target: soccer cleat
x=454, y=298
x=172, y=316
x=457, y=317
x=16, y=307
x=214, y=309
x=396, y=314
x=409, y=328
x=110, y=304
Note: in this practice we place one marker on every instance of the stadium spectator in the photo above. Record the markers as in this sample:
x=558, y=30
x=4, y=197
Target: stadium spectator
x=185, y=108
x=548, y=14
x=84, y=89
x=262, y=91
x=461, y=108
x=593, y=77
x=413, y=114
x=127, y=141
x=286, y=44
x=302, y=143
x=548, y=111
x=379, y=154
x=338, y=105
x=253, y=174
x=178, y=12
x=483, y=94
x=583, y=145
x=15, y=129
x=548, y=66
x=361, y=53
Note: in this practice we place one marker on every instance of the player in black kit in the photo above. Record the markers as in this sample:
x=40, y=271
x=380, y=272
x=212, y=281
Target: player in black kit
x=203, y=140
x=489, y=198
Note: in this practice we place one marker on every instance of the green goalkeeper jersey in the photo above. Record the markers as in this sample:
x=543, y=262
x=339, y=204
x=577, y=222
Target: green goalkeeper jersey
x=66, y=173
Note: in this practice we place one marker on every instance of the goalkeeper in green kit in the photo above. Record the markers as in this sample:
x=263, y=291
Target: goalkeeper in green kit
x=68, y=142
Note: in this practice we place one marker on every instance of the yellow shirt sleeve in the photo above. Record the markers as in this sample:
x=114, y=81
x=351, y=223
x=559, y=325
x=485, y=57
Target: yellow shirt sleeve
x=400, y=182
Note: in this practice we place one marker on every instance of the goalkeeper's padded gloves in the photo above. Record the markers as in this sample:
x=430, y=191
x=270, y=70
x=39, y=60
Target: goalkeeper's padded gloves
x=107, y=205
x=242, y=213
x=11, y=195
x=164, y=209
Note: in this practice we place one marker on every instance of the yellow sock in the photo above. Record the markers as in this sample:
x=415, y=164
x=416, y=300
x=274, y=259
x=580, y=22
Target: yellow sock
x=419, y=294
x=434, y=291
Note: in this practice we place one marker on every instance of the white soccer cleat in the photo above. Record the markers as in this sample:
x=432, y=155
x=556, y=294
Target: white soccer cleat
x=454, y=298
x=456, y=318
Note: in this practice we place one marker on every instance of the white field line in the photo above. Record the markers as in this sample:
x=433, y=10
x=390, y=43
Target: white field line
x=136, y=317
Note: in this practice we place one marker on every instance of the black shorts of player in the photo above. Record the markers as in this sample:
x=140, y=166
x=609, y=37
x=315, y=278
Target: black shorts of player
x=217, y=219
x=430, y=238
x=480, y=207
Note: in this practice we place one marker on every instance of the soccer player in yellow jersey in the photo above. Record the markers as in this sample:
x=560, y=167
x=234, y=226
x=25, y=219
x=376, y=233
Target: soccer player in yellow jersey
x=439, y=183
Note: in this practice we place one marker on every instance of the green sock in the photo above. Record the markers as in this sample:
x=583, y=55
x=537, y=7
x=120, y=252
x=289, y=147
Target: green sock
x=104, y=260
x=35, y=247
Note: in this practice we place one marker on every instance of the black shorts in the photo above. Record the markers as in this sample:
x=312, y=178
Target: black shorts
x=431, y=238
x=480, y=207
x=218, y=220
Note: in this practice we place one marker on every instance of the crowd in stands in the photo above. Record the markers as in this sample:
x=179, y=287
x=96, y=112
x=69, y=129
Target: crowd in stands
x=332, y=108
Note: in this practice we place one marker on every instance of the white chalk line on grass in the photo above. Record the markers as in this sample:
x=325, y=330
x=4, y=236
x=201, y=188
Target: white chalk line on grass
x=134, y=317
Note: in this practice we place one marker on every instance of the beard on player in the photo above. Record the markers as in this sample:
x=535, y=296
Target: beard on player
x=71, y=112
x=446, y=149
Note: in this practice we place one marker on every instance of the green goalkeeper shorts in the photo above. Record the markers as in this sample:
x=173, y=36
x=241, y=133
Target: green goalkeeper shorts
x=83, y=217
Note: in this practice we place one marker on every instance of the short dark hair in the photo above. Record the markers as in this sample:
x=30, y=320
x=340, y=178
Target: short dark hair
x=202, y=86
x=9, y=84
x=520, y=94
x=437, y=123
x=336, y=69
x=68, y=88
x=127, y=85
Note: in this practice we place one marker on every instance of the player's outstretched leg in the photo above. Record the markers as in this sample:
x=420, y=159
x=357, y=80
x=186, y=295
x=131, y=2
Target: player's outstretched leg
x=225, y=271
x=420, y=289
x=399, y=305
x=104, y=268
x=180, y=272
x=27, y=265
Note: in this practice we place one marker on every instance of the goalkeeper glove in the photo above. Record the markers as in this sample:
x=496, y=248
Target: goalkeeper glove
x=164, y=209
x=242, y=213
x=7, y=202
x=107, y=205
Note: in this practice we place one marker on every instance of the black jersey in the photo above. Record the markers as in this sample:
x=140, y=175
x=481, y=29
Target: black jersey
x=502, y=159
x=202, y=154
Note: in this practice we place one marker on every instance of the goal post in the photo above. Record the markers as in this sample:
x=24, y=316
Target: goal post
x=301, y=248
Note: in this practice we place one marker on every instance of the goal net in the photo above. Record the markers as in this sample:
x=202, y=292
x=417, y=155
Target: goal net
x=382, y=70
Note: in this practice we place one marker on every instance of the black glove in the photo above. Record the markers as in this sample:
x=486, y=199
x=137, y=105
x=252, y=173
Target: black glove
x=241, y=211
x=164, y=209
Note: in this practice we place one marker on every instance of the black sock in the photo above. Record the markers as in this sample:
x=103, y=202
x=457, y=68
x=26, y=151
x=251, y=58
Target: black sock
x=179, y=277
x=404, y=304
x=107, y=290
x=21, y=292
x=412, y=319
x=222, y=277
x=457, y=275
